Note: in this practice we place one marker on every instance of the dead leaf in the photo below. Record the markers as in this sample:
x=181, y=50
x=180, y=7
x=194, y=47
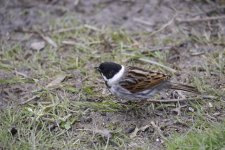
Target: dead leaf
x=39, y=45
x=48, y=39
x=133, y=134
x=58, y=79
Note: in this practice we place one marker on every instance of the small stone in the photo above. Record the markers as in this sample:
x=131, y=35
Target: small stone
x=210, y=105
x=130, y=129
x=191, y=109
x=38, y=45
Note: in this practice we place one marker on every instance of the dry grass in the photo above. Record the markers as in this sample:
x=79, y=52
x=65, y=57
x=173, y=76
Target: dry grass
x=52, y=98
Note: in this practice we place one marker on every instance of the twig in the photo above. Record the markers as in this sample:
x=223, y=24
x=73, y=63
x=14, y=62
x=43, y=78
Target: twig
x=25, y=31
x=178, y=109
x=91, y=27
x=69, y=42
x=76, y=2
x=155, y=48
x=21, y=74
x=215, y=9
x=107, y=143
x=66, y=30
x=143, y=102
x=148, y=23
x=154, y=63
x=200, y=19
x=197, y=53
x=48, y=39
x=76, y=28
x=158, y=64
x=158, y=130
x=173, y=100
x=181, y=99
x=161, y=48
x=136, y=130
x=30, y=99
x=164, y=26
x=209, y=97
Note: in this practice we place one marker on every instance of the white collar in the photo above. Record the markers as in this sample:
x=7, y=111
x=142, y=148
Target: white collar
x=116, y=77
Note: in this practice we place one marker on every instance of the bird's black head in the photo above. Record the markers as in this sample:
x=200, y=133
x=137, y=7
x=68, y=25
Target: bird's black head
x=109, y=69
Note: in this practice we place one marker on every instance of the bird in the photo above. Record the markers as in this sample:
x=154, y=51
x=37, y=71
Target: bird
x=134, y=83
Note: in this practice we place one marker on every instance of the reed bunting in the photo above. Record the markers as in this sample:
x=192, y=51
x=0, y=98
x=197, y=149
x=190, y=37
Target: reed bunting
x=134, y=83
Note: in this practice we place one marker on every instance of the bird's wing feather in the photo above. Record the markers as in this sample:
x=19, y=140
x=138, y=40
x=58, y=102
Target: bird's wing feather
x=137, y=79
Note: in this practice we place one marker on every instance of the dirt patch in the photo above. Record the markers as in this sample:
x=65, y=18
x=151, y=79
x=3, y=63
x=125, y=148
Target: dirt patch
x=134, y=15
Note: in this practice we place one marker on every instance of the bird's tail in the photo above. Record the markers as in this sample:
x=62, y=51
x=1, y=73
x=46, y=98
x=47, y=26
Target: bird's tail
x=183, y=87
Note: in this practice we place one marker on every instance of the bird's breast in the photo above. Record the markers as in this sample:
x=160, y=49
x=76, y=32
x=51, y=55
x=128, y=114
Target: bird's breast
x=107, y=84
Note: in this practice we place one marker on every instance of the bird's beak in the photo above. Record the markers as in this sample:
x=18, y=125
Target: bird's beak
x=97, y=68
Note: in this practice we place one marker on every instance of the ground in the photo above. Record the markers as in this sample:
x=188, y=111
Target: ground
x=52, y=98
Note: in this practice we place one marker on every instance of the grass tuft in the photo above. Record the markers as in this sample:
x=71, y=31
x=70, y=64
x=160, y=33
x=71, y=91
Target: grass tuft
x=210, y=138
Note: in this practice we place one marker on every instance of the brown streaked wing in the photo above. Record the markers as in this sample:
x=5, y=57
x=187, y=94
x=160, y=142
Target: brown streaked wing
x=137, y=79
